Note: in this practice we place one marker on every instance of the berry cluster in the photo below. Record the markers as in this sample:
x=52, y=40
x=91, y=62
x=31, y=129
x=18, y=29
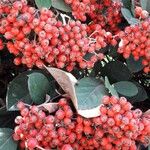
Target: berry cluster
x=117, y=128
x=37, y=38
x=80, y=8
x=135, y=40
x=104, y=12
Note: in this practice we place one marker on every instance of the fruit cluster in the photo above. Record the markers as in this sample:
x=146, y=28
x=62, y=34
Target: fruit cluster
x=104, y=12
x=37, y=37
x=135, y=40
x=118, y=127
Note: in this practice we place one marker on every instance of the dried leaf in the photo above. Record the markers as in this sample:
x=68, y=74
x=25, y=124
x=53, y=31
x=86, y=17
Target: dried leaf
x=66, y=81
x=50, y=107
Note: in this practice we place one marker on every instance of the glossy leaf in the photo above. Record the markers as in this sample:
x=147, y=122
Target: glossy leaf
x=126, y=88
x=116, y=71
x=89, y=93
x=18, y=90
x=128, y=16
x=140, y=96
x=43, y=3
x=38, y=86
x=61, y=5
x=6, y=141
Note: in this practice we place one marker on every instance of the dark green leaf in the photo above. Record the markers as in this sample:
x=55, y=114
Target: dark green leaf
x=134, y=66
x=88, y=56
x=18, y=90
x=116, y=71
x=43, y=3
x=145, y=5
x=127, y=4
x=140, y=96
x=126, y=88
x=110, y=87
x=89, y=92
x=128, y=16
x=38, y=86
x=6, y=141
x=61, y=5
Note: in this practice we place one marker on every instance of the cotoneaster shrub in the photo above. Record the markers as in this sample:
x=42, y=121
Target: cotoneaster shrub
x=79, y=72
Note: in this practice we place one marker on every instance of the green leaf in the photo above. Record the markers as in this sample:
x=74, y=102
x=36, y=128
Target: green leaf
x=134, y=66
x=127, y=4
x=61, y=5
x=38, y=86
x=145, y=5
x=18, y=90
x=43, y=3
x=116, y=71
x=140, y=96
x=6, y=141
x=128, y=16
x=88, y=56
x=89, y=92
x=110, y=87
x=126, y=88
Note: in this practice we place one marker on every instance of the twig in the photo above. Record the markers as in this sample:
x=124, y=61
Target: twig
x=64, y=16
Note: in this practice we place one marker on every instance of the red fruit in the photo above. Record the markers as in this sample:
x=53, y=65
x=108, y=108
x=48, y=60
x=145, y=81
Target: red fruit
x=111, y=122
x=114, y=100
x=106, y=100
x=50, y=119
x=32, y=143
x=67, y=147
x=103, y=110
x=20, y=105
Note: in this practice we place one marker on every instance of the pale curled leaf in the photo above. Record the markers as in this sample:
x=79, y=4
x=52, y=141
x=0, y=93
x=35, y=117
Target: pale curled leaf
x=90, y=113
x=50, y=107
x=66, y=81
